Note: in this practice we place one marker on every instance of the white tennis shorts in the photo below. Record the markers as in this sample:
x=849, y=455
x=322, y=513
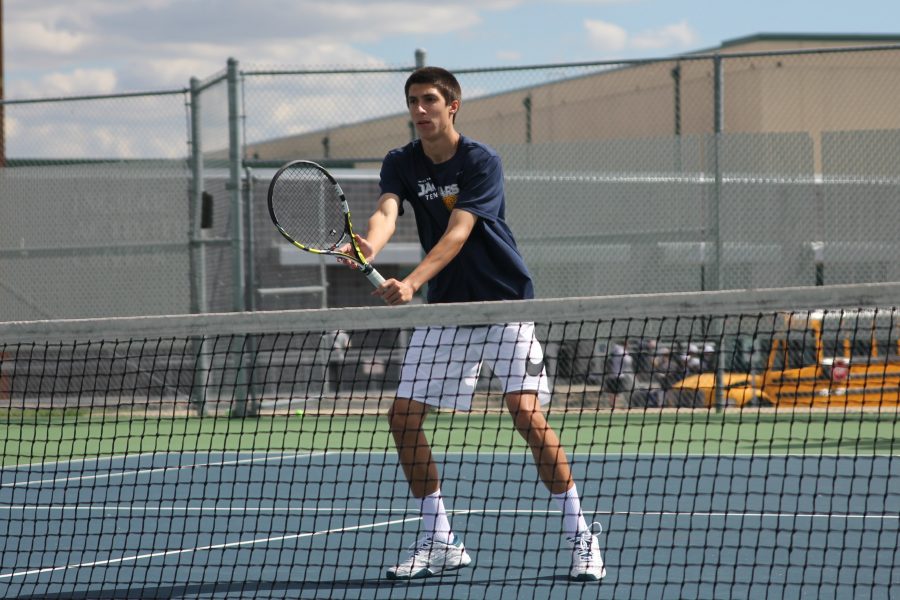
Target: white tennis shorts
x=442, y=364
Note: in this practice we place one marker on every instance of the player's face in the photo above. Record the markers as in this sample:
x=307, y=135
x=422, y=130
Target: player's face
x=429, y=111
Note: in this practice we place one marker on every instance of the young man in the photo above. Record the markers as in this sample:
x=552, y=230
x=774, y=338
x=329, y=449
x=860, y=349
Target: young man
x=455, y=186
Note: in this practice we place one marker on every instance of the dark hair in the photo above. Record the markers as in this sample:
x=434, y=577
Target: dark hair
x=440, y=78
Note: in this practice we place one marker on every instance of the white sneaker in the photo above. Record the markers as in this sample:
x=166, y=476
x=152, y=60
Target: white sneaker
x=429, y=557
x=587, y=564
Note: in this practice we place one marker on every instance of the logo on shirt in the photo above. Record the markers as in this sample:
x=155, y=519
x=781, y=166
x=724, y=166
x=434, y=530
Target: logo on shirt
x=534, y=368
x=448, y=194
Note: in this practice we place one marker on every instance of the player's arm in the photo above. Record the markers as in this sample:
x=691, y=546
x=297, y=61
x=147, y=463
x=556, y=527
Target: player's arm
x=382, y=225
x=458, y=230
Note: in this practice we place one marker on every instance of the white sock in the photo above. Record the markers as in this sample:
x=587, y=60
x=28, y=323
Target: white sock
x=434, y=517
x=573, y=519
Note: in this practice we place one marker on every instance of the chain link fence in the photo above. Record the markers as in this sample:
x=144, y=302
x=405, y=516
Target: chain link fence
x=725, y=171
x=93, y=211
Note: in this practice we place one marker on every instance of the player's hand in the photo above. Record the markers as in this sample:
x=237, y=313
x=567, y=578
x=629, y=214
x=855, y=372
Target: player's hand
x=395, y=292
x=347, y=248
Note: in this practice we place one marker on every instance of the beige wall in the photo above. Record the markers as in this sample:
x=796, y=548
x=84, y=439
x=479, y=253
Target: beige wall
x=790, y=93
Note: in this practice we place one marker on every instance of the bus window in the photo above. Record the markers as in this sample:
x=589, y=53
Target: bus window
x=832, y=346
x=802, y=352
x=862, y=347
x=741, y=355
x=763, y=348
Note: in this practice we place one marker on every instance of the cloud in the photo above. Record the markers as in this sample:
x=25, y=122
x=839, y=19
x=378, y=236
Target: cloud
x=76, y=82
x=508, y=55
x=41, y=38
x=679, y=35
x=606, y=37
x=163, y=42
x=609, y=37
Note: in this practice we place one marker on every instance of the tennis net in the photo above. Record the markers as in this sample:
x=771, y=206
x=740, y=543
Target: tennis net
x=730, y=444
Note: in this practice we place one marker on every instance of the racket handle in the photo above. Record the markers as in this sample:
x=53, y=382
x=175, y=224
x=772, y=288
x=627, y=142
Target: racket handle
x=375, y=277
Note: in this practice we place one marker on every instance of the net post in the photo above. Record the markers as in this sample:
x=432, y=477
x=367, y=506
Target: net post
x=720, y=364
x=200, y=376
x=243, y=403
x=4, y=380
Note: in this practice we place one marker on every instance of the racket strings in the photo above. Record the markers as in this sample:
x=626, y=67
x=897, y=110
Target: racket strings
x=308, y=207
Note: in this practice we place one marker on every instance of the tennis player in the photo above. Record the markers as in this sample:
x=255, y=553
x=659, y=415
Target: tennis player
x=455, y=187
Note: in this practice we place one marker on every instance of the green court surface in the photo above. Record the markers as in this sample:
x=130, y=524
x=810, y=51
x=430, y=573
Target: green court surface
x=40, y=436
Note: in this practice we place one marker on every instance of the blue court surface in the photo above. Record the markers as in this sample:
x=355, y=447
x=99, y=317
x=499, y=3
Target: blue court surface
x=327, y=525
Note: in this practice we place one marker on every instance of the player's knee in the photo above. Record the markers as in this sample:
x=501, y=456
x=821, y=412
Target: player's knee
x=394, y=417
x=525, y=420
x=404, y=415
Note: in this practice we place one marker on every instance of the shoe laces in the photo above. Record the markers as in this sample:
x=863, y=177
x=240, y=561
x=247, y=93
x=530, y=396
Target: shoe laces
x=583, y=542
x=421, y=546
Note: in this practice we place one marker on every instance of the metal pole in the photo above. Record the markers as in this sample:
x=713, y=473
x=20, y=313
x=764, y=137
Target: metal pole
x=239, y=343
x=250, y=237
x=716, y=270
x=715, y=239
x=234, y=187
x=420, y=62
x=197, y=250
x=254, y=391
x=721, y=357
x=527, y=104
x=676, y=84
x=2, y=96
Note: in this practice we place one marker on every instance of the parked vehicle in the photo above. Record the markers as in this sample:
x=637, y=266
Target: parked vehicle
x=814, y=359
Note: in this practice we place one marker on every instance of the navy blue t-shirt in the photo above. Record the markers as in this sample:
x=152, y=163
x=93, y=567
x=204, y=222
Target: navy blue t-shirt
x=489, y=266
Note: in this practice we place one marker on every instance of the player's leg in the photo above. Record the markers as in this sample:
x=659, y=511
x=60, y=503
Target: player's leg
x=437, y=371
x=517, y=358
x=553, y=469
x=406, y=418
x=549, y=456
x=438, y=549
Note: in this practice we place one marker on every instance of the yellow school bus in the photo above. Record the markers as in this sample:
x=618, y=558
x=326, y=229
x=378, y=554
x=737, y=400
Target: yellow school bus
x=812, y=359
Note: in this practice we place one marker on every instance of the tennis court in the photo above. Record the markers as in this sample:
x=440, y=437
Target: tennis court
x=114, y=485
x=226, y=522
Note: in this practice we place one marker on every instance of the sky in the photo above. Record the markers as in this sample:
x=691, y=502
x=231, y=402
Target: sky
x=64, y=48
x=68, y=48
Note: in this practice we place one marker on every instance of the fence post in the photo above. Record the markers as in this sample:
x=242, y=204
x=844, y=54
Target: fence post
x=197, y=249
x=716, y=242
x=714, y=281
x=234, y=186
x=241, y=404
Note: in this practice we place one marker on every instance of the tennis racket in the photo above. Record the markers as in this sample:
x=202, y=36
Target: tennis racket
x=309, y=209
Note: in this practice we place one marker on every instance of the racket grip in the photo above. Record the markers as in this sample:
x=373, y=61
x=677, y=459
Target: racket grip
x=375, y=277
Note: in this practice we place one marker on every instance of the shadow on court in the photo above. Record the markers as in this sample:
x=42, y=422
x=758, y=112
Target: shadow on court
x=374, y=587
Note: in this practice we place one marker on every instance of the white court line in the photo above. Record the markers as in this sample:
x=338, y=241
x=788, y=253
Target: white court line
x=524, y=452
x=463, y=511
x=82, y=459
x=268, y=540
x=754, y=515
x=255, y=509
x=124, y=559
x=122, y=474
